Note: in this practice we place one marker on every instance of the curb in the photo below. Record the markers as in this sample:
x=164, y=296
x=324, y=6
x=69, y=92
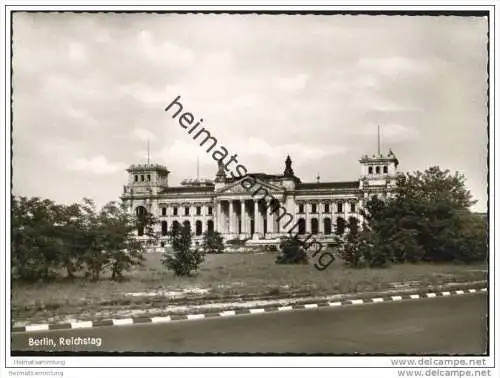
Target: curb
x=247, y=311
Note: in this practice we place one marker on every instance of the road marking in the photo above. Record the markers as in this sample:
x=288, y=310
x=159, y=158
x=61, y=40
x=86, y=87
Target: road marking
x=257, y=310
x=81, y=325
x=123, y=321
x=37, y=327
x=333, y=304
x=311, y=305
x=160, y=319
x=227, y=313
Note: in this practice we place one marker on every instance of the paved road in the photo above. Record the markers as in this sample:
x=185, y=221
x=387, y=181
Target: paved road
x=437, y=326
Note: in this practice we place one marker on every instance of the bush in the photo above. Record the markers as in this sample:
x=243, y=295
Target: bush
x=184, y=259
x=237, y=242
x=374, y=251
x=292, y=252
x=212, y=242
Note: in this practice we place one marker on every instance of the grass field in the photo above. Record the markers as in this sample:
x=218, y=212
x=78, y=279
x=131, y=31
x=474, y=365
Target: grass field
x=225, y=276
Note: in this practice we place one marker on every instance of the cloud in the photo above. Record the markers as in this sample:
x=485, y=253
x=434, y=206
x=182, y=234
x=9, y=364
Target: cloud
x=165, y=51
x=97, y=165
x=390, y=132
x=300, y=151
x=77, y=52
x=396, y=65
x=292, y=83
x=265, y=86
x=142, y=135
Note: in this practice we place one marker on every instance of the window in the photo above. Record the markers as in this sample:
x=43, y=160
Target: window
x=149, y=177
x=377, y=170
x=314, y=208
x=386, y=169
x=327, y=226
x=186, y=210
x=175, y=210
x=136, y=178
x=301, y=208
x=314, y=226
x=163, y=211
x=210, y=210
x=339, y=207
x=327, y=207
x=142, y=177
x=198, y=228
x=162, y=244
x=175, y=226
x=370, y=170
x=164, y=228
x=353, y=207
x=340, y=230
x=198, y=210
x=302, y=226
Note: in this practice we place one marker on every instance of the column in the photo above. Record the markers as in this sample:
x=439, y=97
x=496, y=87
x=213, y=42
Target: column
x=243, y=217
x=307, y=217
x=269, y=218
x=204, y=226
x=321, y=216
x=276, y=214
x=230, y=216
x=218, y=222
x=256, y=216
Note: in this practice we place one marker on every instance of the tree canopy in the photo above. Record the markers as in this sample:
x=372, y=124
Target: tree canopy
x=427, y=219
x=48, y=238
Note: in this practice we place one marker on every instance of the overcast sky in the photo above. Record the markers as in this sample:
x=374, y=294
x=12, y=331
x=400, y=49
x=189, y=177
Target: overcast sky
x=91, y=89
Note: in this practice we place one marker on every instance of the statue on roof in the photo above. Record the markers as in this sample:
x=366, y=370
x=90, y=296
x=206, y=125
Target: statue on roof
x=221, y=172
x=288, y=167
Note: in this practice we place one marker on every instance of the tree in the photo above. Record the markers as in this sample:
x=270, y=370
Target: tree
x=47, y=238
x=472, y=238
x=37, y=248
x=292, y=252
x=426, y=220
x=340, y=229
x=212, y=242
x=184, y=258
x=122, y=247
x=351, y=247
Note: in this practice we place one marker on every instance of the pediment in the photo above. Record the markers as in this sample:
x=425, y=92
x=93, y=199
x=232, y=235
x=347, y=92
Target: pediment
x=241, y=187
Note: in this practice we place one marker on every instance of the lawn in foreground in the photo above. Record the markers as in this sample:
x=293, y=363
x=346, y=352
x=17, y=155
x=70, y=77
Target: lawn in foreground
x=225, y=276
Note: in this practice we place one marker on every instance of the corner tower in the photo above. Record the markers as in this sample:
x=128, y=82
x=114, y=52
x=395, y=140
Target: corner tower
x=378, y=171
x=144, y=181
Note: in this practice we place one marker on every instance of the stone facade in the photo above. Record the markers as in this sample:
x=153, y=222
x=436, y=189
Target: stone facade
x=242, y=211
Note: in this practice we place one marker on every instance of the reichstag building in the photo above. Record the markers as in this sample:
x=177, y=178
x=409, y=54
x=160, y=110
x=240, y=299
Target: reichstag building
x=225, y=205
